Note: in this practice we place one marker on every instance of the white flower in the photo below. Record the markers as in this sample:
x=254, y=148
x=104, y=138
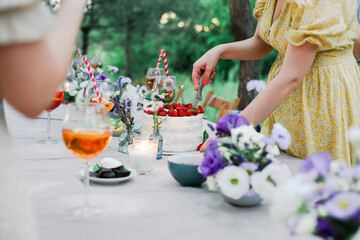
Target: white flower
x=84, y=84
x=258, y=85
x=168, y=84
x=273, y=150
x=225, y=153
x=272, y=176
x=154, y=94
x=357, y=235
x=73, y=88
x=211, y=183
x=305, y=223
x=182, y=87
x=288, y=197
x=158, y=105
x=354, y=134
x=80, y=96
x=233, y=182
x=149, y=106
x=143, y=91
x=245, y=136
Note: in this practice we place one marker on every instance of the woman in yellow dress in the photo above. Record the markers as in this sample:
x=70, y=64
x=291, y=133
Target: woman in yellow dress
x=314, y=85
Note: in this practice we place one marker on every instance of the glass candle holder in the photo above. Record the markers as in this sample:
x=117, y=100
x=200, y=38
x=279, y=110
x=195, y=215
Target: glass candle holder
x=142, y=154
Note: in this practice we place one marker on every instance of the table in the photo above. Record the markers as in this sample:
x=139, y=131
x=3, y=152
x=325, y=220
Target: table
x=146, y=207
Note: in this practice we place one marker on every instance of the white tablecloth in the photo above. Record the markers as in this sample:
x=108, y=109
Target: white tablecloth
x=146, y=207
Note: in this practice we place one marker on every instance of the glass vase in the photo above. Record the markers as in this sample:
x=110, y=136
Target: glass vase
x=156, y=135
x=125, y=140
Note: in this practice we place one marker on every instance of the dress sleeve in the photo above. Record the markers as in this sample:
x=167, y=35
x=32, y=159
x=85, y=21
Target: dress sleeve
x=322, y=23
x=23, y=21
x=259, y=8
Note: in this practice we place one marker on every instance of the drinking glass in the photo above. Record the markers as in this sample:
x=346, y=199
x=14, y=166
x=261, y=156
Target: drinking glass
x=106, y=89
x=57, y=100
x=86, y=133
x=150, y=76
x=167, y=87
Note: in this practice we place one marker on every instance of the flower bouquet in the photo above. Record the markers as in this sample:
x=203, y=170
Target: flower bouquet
x=322, y=200
x=78, y=79
x=242, y=163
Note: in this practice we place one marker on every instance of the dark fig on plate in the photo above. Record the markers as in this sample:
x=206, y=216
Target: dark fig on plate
x=121, y=172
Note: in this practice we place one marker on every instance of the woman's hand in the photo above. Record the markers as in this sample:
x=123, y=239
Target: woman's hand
x=207, y=64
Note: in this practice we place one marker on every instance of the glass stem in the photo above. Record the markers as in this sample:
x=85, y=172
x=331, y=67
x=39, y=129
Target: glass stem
x=86, y=184
x=48, y=125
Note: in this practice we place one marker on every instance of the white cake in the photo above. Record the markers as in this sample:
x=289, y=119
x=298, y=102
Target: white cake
x=180, y=134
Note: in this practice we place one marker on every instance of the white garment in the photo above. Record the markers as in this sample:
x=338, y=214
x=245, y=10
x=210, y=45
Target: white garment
x=23, y=20
x=20, y=21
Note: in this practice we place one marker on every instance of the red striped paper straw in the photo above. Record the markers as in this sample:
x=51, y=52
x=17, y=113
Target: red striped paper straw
x=79, y=53
x=166, y=63
x=158, y=62
x=92, y=78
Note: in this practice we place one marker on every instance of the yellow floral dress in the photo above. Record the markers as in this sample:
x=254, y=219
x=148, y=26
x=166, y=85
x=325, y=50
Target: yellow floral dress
x=319, y=111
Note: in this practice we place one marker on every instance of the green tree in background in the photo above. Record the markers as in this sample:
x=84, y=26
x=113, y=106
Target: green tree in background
x=130, y=33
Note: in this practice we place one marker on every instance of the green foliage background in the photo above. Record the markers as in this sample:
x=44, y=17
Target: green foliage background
x=108, y=22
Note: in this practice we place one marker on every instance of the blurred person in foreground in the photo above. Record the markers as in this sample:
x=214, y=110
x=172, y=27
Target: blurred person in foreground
x=314, y=84
x=36, y=48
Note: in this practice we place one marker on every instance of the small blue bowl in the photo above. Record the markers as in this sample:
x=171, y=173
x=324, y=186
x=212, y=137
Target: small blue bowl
x=184, y=169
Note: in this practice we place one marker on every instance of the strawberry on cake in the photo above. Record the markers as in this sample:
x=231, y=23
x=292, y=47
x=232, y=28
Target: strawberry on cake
x=182, y=127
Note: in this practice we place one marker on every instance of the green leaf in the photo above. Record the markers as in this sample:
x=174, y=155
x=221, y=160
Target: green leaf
x=96, y=168
x=192, y=110
x=205, y=136
x=303, y=208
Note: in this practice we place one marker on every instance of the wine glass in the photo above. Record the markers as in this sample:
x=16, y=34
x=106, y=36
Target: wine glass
x=151, y=75
x=86, y=133
x=57, y=100
x=106, y=89
x=167, y=87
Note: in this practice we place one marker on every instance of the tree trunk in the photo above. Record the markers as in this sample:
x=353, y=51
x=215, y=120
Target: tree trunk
x=85, y=39
x=128, y=44
x=244, y=25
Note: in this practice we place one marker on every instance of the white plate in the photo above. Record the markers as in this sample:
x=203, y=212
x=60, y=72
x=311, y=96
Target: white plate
x=109, y=180
x=181, y=153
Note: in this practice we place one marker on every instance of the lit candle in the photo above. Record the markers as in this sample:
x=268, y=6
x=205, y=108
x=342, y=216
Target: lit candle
x=142, y=155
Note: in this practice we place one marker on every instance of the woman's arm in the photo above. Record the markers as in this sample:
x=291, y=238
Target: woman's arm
x=297, y=63
x=357, y=44
x=31, y=72
x=249, y=49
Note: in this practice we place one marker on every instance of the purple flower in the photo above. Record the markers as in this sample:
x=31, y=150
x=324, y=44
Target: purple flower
x=281, y=136
x=318, y=164
x=344, y=206
x=249, y=166
x=112, y=69
x=101, y=76
x=213, y=161
x=125, y=80
x=228, y=122
x=258, y=85
x=325, y=230
x=211, y=127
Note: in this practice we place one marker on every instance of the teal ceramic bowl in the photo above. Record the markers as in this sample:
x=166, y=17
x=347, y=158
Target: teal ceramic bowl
x=184, y=169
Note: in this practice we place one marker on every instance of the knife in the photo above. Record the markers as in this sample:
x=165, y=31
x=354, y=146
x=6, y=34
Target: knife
x=198, y=96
